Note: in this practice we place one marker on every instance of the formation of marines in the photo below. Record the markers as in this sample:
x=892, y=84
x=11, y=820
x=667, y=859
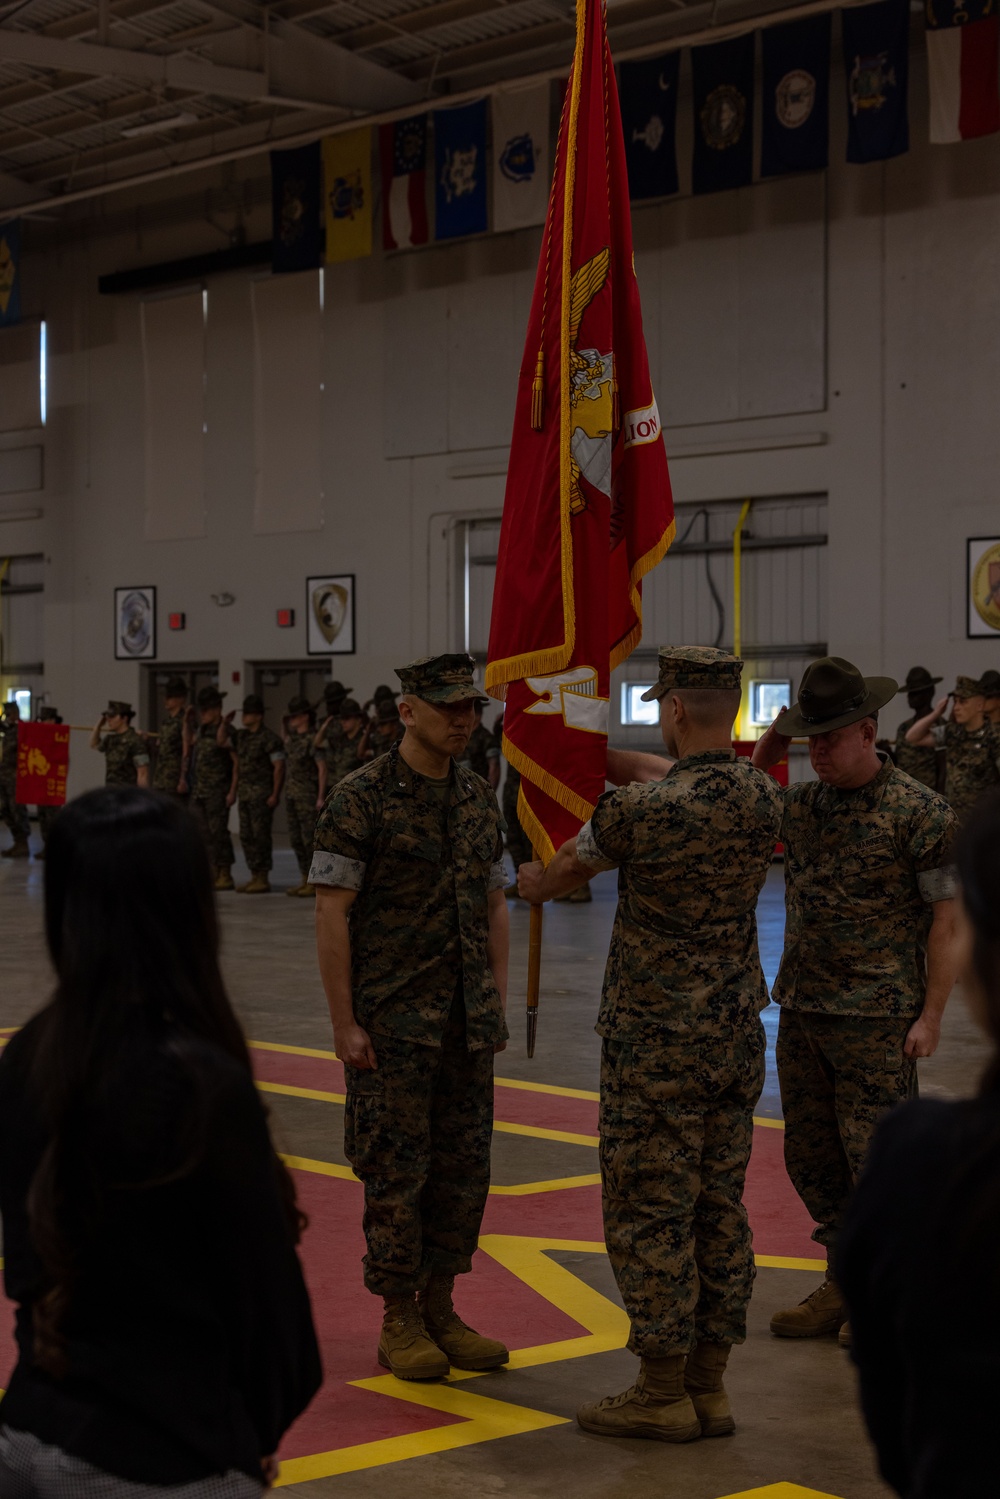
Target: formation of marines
x=395, y=822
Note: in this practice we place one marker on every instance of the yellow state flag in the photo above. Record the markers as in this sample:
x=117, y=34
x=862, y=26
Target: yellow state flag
x=347, y=194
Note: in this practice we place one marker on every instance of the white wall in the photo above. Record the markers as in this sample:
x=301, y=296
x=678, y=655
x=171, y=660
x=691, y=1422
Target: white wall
x=876, y=350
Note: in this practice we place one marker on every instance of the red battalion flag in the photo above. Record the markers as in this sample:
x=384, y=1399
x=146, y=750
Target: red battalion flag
x=588, y=508
x=42, y=764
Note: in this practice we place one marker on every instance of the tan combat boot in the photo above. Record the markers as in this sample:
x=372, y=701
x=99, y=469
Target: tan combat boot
x=258, y=884
x=307, y=890
x=656, y=1406
x=18, y=850
x=224, y=878
x=464, y=1348
x=844, y=1336
x=822, y=1312
x=703, y=1382
x=404, y=1347
x=294, y=890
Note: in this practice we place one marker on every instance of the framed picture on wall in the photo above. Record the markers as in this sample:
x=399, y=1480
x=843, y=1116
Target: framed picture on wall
x=330, y=615
x=135, y=624
x=983, y=572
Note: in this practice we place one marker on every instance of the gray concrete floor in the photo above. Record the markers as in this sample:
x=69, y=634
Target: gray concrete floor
x=795, y=1402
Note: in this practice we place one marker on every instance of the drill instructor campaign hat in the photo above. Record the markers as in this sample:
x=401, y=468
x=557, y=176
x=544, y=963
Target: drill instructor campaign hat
x=334, y=691
x=299, y=705
x=176, y=687
x=116, y=709
x=919, y=679
x=698, y=666
x=253, y=704
x=350, y=708
x=834, y=694
x=383, y=692
x=989, y=684
x=441, y=679
x=48, y=714
x=210, y=697
x=968, y=687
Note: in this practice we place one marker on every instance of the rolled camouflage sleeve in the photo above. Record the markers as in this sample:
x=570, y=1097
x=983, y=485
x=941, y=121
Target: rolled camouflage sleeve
x=140, y=756
x=932, y=835
x=344, y=840
x=608, y=839
x=498, y=873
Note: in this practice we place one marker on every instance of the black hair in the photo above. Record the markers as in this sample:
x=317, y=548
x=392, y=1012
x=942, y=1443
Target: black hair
x=131, y=927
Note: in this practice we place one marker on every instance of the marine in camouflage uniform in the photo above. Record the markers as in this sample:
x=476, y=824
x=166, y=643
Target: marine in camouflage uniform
x=170, y=770
x=682, y=1060
x=518, y=846
x=990, y=684
x=259, y=753
x=387, y=730
x=213, y=785
x=920, y=762
x=47, y=814
x=301, y=787
x=126, y=754
x=420, y=857
x=482, y=753
x=866, y=868
x=342, y=753
x=14, y=815
x=972, y=751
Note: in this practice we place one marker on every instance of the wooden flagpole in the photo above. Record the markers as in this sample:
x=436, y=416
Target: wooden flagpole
x=534, y=971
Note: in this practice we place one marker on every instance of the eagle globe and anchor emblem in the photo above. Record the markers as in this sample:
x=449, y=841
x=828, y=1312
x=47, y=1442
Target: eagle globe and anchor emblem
x=985, y=587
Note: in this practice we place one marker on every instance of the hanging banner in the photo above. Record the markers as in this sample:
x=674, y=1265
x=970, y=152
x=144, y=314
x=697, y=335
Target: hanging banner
x=10, y=273
x=722, y=78
x=347, y=195
x=42, y=764
x=963, y=49
x=403, y=154
x=460, y=203
x=795, y=121
x=522, y=167
x=876, y=64
x=296, y=207
x=649, y=125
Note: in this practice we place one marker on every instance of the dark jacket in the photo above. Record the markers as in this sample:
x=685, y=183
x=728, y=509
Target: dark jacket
x=919, y=1263
x=190, y=1340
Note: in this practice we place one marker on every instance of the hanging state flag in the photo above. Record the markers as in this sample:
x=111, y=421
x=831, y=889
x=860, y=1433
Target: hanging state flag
x=795, y=121
x=347, y=195
x=296, y=208
x=649, y=125
x=42, y=764
x=10, y=273
x=460, y=204
x=722, y=77
x=403, y=152
x=963, y=50
x=877, y=64
x=588, y=509
x=522, y=168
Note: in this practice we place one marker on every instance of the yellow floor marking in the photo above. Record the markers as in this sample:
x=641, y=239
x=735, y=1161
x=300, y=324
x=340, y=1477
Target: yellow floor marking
x=483, y=1420
x=606, y=1323
x=291, y=1092
x=505, y=1127
x=319, y=1168
x=559, y=1184
x=780, y=1491
x=768, y=1123
x=778, y=1262
x=293, y=1051
x=516, y=1082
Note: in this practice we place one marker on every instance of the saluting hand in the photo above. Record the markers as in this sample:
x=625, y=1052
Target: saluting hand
x=354, y=1048
x=771, y=748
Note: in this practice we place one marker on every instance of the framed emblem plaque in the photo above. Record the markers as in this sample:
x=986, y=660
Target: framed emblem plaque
x=983, y=572
x=330, y=615
x=135, y=624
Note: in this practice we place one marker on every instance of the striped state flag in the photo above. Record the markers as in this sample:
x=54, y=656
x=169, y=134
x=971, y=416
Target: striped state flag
x=963, y=62
x=403, y=152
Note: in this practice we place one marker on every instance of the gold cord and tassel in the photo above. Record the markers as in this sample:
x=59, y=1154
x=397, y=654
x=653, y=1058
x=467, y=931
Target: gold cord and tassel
x=538, y=392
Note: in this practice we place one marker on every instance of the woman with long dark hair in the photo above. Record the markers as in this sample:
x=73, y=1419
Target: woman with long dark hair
x=163, y=1326
x=919, y=1258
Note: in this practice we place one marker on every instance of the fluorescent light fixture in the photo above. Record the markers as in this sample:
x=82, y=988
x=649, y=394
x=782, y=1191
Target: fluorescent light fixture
x=634, y=710
x=156, y=127
x=43, y=372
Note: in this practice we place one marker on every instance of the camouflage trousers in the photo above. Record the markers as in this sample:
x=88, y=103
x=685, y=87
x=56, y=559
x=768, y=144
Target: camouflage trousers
x=14, y=815
x=302, y=816
x=518, y=846
x=676, y=1130
x=213, y=815
x=837, y=1074
x=46, y=817
x=418, y=1132
x=256, y=818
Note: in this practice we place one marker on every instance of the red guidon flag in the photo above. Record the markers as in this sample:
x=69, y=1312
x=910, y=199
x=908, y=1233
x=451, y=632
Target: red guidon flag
x=588, y=509
x=42, y=764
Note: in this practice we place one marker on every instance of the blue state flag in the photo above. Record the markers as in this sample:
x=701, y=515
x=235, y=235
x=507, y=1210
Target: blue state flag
x=10, y=273
x=876, y=65
x=795, y=120
x=649, y=123
x=722, y=78
x=297, y=208
x=460, y=201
